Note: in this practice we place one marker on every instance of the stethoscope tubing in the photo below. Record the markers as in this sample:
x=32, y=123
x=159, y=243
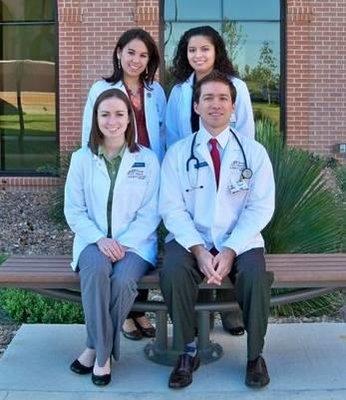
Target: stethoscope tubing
x=194, y=158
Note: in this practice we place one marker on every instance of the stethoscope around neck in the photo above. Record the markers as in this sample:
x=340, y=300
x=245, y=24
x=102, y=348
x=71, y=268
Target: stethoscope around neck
x=246, y=172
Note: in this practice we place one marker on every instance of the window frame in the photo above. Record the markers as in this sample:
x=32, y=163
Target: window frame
x=26, y=173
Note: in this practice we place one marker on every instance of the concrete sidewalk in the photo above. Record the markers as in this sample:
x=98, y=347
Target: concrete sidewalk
x=305, y=361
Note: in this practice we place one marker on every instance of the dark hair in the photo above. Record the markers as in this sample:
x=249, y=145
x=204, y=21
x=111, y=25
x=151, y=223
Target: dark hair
x=214, y=76
x=182, y=69
x=147, y=76
x=96, y=136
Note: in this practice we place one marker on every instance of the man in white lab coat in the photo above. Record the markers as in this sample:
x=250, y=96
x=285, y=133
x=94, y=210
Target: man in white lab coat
x=217, y=194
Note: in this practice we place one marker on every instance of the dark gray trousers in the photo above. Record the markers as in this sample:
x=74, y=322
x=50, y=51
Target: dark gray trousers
x=108, y=293
x=230, y=319
x=179, y=280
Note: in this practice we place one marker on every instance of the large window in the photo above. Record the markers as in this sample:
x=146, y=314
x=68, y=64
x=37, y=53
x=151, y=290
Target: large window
x=28, y=134
x=251, y=30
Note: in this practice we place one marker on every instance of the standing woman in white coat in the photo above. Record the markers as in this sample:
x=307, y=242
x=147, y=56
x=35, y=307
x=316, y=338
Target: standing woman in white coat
x=135, y=62
x=199, y=51
x=111, y=198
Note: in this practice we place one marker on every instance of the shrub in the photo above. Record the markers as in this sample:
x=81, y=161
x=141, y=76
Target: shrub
x=310, y=211
x=26, y=307
x=308, y=216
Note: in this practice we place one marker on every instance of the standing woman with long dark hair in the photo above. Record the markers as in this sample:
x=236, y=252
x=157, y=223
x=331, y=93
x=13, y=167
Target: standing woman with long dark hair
x=135, y=62
x=199, y=51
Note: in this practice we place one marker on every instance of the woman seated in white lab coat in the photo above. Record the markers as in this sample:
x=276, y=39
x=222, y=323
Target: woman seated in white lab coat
x=111, y=206
x=199, y=51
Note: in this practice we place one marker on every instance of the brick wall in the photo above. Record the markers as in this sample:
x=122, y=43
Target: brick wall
x=8, y=181
x=316, y=74
x=70, y=17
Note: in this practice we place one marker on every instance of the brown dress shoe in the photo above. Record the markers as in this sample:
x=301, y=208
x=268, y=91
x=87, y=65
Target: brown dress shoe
x=256, y=373
x=181, y=375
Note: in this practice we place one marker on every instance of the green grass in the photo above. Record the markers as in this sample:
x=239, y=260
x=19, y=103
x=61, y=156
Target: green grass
x=265, y=110
x=38, y=147
x=35, y=124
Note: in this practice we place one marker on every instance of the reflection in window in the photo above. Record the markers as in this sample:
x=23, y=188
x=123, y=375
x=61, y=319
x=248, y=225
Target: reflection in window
x=251, y=30
x=252, y=9
x=193, y=10
x=28, y=137
x=27, y=10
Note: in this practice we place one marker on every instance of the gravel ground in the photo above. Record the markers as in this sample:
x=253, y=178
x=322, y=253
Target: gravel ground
x=26, y=228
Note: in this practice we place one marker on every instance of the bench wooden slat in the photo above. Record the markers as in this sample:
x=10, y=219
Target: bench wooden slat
x=290, y=270
x=278, y=260
x=64, y=268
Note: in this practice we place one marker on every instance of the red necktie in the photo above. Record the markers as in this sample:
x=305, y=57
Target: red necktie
x=215, y=156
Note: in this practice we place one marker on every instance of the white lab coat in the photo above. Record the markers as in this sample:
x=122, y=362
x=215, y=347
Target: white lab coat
x=210, y=217
x=135, y=201
x=178, y=112
x=154, y=108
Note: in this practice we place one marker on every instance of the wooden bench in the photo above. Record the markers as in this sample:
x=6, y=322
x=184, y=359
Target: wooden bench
x=312, y=274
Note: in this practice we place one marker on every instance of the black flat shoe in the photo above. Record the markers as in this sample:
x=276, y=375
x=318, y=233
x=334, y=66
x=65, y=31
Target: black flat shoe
x=100, y=380
x=238, y=331
x=181, y=375
x=146, y=332
x=79, y=368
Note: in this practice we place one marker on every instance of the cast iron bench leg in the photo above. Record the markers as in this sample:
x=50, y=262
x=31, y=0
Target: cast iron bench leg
x=207, y=350
x=157, y=349
x=161, y=352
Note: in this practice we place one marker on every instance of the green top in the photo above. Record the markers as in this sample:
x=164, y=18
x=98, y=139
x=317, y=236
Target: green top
x=113, y=165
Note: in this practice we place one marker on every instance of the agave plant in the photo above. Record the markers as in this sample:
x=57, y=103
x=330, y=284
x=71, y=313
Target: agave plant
x=309, y=215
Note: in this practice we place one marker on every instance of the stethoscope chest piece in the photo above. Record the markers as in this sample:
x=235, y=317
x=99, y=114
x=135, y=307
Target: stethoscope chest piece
x=246, y=173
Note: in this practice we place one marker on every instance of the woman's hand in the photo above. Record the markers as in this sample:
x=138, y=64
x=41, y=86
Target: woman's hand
x=111, y=248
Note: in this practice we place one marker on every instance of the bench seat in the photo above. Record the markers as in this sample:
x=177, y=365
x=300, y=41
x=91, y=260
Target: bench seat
x=312, y=274
x=290, y=271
